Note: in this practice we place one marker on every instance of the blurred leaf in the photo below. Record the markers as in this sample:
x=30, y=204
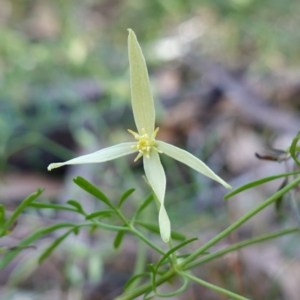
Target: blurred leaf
x=50, y=249
x=13, y=218
x=278, y=202
x=155, y=228
x=77, y=205
x=95, y=268
x=2, y=215
x=118, y=239
x=31, y=238
x=166, y=255
x=52, y=206
x=133, y=278
x=125, y=196
x=293, y=148
x=144, y=204
x=98, y=214
x=258, y=182
x=91, y=189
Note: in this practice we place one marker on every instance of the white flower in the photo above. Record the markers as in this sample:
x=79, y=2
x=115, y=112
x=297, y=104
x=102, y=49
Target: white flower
x=147, y=146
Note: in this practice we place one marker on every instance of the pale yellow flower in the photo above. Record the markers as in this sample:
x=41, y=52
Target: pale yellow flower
x=146, y=145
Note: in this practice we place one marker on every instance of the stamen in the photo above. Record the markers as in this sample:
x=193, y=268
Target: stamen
x=145, y=144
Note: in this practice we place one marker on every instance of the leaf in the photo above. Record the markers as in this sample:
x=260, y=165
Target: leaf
x=51, y=206
x=164, y=257
x=278, y=202
x=125, y=196
x=93, y=190
x=258, y=182
x=13, y=218
x=50, y=249
x=77, y=205
x=133, y=278
x=293, y=148
x=30, y=239
x=155, y=228
x=100, y=214
x=2, y=215
x=144, y=204
x=118, y=239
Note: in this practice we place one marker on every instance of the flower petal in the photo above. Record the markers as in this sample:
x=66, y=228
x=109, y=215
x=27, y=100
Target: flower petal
x=99, y=156
x=157, y=179
x=190, y=160
x=142, y=101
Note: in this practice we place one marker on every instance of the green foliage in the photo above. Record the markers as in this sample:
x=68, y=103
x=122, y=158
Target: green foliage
x=175, y=264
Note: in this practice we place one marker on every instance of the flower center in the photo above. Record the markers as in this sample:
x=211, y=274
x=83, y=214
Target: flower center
x=145, y=143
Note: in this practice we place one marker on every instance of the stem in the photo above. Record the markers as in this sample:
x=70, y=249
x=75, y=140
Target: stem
x=241, y=221
x=173, y=255
x=137, y=233
x=139, y=263
x=146, y=287
x=240, y=245
x=214, y=287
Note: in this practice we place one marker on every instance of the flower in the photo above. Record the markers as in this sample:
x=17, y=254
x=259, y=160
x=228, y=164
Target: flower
x=146, y=146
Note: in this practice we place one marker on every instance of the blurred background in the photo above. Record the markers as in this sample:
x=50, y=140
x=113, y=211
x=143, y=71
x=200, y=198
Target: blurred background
x=226, y=82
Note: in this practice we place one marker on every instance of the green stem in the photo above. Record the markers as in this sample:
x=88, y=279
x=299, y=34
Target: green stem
x=146, y=287
x=241, y=221
x=132, y=229
x=140, y=263
x=214, y=287
x=240, y=245
x=173, y=255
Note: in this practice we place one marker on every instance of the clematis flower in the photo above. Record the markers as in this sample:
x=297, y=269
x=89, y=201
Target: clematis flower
x=146, y=145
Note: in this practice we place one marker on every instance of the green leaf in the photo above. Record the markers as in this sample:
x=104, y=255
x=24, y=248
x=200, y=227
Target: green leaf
x=278, y=202
x=118, y=239
x=50, y=249
x=164, y=257
x=13, y=218
x=2, y=214
x=30, y=239
x=2, y=217
x=77, y=205
x=93, y=190
x=293, y=148
x=133, y=278
x=258, y=182
x=52, y=206
x=125, y=196
x=100, y=214
x=144, y=204
x=155, y=228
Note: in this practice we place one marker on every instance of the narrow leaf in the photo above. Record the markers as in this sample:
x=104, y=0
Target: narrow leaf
x=100, y=214
x=50, y=249
x=19, y=209
x=93, y=190
x=154, y=228
x=77, y=205
x=118, y=239
x=293, y=149
x=258, y=182
x=125, y=196
x=278, y=202
x=145, y=203
x=133, y=278
x=52, y=206
x=33, y=237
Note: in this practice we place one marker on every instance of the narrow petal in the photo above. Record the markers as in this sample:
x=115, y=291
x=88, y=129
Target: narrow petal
x=157, y=179
x=99, y=156
x=190, y=160
x=142, y=101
